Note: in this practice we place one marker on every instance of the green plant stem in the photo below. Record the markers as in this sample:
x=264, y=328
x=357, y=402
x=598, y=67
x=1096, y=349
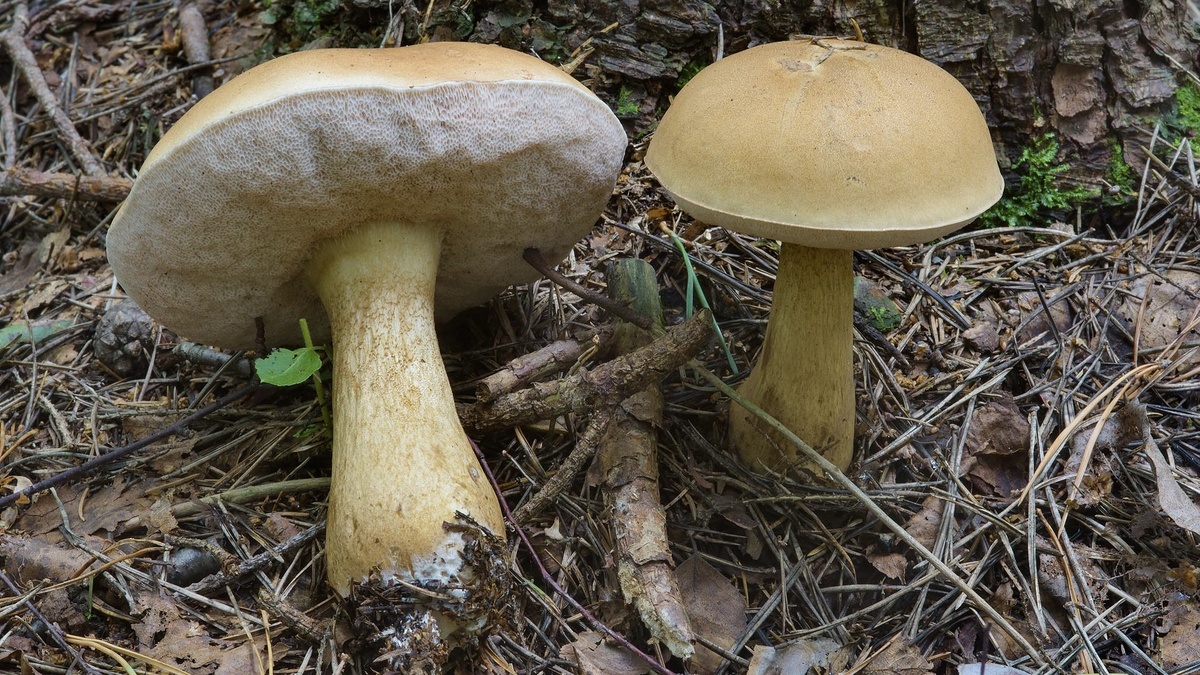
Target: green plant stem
x=316, y=377
x=250, y=493
x=836, y=474
x=694, y=287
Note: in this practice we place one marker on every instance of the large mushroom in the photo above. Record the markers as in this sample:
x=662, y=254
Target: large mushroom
x=829, y=146
x=345, y=187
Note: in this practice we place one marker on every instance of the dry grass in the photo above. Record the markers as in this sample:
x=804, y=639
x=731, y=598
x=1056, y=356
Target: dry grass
x=980, y=443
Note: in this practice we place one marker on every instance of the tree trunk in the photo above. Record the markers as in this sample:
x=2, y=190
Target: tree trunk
x=1089, y=70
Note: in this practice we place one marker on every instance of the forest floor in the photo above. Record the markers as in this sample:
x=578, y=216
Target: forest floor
x=1027, y=416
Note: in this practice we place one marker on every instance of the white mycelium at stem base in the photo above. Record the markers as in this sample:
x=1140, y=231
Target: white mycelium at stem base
x=402, y=465
x=805, y=374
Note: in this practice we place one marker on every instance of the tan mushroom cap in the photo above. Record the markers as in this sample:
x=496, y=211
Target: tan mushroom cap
x=495, y=148
x=828, y=144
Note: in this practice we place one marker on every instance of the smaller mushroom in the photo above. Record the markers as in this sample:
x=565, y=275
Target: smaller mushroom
x=829, y=146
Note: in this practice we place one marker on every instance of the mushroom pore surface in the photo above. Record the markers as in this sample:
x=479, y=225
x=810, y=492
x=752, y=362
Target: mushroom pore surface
x=237, y=196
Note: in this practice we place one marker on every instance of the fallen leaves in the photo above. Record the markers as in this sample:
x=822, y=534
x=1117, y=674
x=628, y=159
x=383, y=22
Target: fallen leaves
x=716, y=610
x=792, y=658
x=995, y=450
x=596, y=656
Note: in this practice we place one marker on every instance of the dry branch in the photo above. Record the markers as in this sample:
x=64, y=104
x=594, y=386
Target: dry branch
x=585, y=449
x=13, y=40
x=611, y=382
x=33, y=183
x=555, y=357
x=628, y=461
x=194, y=35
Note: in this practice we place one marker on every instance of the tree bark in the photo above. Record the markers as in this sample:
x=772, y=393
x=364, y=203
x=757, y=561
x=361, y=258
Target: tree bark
x=1089, y=70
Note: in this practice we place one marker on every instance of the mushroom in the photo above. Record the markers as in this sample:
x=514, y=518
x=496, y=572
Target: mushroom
x=827, y=145
x=344, y=186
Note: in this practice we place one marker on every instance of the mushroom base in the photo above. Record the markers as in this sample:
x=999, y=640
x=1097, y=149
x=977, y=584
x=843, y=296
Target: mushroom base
x=805, y=375
x=403, y=469
x=413, y=627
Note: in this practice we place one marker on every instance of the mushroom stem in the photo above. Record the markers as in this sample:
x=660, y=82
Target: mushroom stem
x=402, y=465
x=805, y=374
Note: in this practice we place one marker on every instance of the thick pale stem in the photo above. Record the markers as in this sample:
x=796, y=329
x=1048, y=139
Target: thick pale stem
x=805, y=375
x=402, y=465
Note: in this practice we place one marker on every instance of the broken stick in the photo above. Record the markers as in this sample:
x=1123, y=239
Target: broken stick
x=34, y=183
x=194, y=35
x=610, y=382
x=13, y=41
x=554, y=358
x=628, y=463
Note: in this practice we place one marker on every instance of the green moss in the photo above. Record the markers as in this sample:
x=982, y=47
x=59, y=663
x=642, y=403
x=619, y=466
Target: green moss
x=1040, y=191
x=689, y=71
x=627, y=105
x=1187, y=98
x=1187, y=110
x=1119, y=175
x=302, y=21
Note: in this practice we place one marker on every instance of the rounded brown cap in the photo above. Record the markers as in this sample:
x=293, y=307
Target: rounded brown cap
x=497, y=149
x=828, y=144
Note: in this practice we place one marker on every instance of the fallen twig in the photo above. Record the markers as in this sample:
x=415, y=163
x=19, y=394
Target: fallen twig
x=555, y=357
x=535, y=260
x=628, y=461
x=257, y=562
x=585, y=448
x=194, y=34
x=34, y=183
x=13, y=40
x=611, y=382
x=250, y=493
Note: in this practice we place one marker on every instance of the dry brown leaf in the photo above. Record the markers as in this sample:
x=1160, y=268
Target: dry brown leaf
x=1053, y=576
x=792, y=658
x=1119, y=429
x=159, y=516
x=32, y=559
x=173, y=455
x=596, y=656
x=716, y=610
x=168, y=636
x=998, y=428
x=1173, y=500
x=1179, y=645
x=24, y=269
x=890, y=565
x=924, y=524
x=899, y=657
x=45, y=294
x=11, y=657
x=1038, y=329
x=250, y=657
x=996, y=445
x=106, y=509
x=982, y=336
x=1168, y=307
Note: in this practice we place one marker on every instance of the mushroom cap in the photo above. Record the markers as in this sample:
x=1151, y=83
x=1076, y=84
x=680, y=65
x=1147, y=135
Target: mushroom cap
x=829, y=144
x=499, y=150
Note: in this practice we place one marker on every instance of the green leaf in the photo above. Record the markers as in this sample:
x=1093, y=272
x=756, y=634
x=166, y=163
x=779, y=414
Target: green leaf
x=22, y=331
x=287, y=367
